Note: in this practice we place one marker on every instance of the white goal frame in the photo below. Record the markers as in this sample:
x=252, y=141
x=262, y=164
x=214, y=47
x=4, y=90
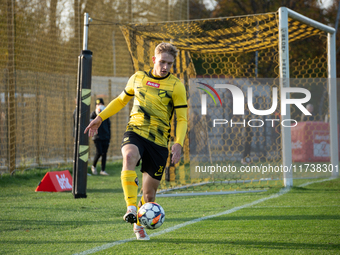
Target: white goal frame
x=284, y=13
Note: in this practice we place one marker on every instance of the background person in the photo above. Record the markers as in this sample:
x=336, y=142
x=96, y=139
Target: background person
x=101, y=139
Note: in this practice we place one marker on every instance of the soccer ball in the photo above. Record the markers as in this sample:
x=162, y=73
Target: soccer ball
x=151, y=215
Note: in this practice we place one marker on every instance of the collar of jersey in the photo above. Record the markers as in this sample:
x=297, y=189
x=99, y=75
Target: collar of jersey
x=157, y=78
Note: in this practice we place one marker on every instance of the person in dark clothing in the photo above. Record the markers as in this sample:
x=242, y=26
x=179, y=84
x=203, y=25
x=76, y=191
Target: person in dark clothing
x=101, y=139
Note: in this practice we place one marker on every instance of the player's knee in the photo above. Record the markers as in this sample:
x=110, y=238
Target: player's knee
x=149, y=197
x=131, y=158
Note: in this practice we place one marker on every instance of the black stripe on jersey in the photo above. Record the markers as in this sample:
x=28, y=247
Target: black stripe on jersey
x=131, y=95
x=165, y=124
x=142, y=94
x=152, y=137
x=181, y=106
x=156, y=78
x=160, y=131
x=146, y=115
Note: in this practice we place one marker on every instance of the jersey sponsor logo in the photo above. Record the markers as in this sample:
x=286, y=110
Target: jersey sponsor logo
x=153, y=84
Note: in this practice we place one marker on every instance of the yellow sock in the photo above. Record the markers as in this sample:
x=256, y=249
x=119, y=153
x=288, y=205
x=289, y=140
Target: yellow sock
x=141, y=202
x=130, y=187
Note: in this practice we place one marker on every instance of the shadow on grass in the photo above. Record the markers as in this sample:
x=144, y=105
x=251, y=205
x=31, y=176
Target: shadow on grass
x=250, y=244
x=259, y=218
x=27, y=224
x=99, y=190
x=314, y=190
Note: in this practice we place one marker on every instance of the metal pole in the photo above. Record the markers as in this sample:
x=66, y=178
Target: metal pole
x=333, y=122
x=81, y=143
x=294, y=15
x=86, y=30
x=286, y=139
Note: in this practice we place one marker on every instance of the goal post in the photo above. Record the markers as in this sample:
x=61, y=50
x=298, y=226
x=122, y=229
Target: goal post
x=284, y=14
x=284, y=82
x=333, y=101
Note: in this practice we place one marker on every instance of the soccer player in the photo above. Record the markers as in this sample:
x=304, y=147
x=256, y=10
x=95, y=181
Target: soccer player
x=157, y=94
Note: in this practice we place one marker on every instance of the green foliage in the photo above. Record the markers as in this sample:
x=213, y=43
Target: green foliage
x=226, y=8
x=312, y=9
x=198, y=10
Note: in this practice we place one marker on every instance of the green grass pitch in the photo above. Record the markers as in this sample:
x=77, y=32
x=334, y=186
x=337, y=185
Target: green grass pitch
x=305, y=220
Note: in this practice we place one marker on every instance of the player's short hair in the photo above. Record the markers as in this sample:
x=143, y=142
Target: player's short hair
x=166, y=48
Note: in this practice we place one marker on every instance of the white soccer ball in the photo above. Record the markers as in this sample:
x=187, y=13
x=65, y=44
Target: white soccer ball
x=151, y=215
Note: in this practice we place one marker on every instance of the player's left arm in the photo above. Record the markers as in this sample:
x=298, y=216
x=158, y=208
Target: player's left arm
x=180, y=104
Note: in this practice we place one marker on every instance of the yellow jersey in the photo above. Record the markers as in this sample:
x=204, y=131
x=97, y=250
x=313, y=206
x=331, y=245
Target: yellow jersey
x=155, y=99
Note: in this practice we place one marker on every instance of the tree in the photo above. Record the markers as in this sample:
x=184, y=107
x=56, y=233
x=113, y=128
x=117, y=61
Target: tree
x=309, y=8
x=331, y=13
x=226, y=8
x=308, y=50
x=198, y=10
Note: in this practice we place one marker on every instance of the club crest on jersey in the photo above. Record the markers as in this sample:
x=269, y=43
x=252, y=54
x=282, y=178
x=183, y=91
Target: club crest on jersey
x=153, y=84
x=162, y=93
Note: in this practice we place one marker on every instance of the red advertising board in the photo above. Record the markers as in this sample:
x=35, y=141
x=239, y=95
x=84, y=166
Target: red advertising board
x=56, y=181
x=311, y=142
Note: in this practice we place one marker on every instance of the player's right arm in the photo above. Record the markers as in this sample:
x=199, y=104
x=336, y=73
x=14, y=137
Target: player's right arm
x=93, y=126
x=114, y=106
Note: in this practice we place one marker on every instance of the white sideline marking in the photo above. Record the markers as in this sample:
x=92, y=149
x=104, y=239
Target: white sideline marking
x=296, y=206
x=307, y=183
x=281, y=192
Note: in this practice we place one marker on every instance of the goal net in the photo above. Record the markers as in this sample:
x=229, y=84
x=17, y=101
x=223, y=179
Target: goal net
x=229, y=144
